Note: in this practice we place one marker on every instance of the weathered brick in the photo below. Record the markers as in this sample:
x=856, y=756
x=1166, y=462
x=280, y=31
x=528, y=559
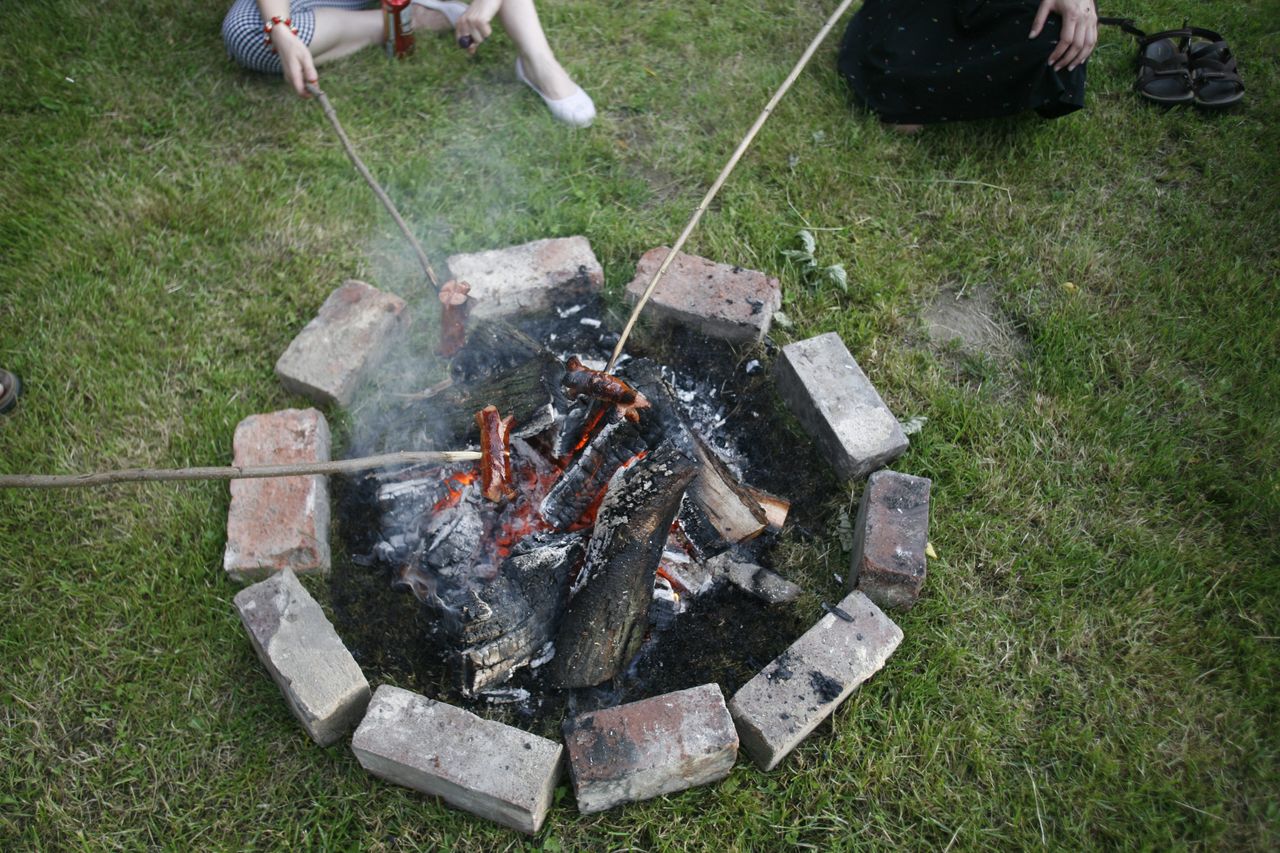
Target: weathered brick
x=483, y=767
x=890, y=536
x=722, y=301
x=321, y=682
x=343, y=344
x=649, y=748
x=838, y=406
x=787, y=700
x=279, y=523
x=522, y=279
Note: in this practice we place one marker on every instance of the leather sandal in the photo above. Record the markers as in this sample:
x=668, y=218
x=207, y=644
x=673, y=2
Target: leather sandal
x=1215, y=77
x=1164, y=74
x=10, y=388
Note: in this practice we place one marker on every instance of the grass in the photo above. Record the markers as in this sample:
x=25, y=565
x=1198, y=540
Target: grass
x=1095, y=661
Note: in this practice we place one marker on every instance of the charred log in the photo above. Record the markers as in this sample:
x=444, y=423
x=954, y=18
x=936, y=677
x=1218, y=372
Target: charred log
x=587, y=476
x=513, y=616
x=606, y=621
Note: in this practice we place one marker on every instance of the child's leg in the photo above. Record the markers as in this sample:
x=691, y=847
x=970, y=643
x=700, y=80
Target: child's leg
x=520, y=19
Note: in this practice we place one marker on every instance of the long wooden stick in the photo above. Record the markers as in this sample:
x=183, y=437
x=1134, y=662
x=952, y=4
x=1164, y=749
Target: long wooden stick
x=232, y=472
x=373, y=184
x=724, y=175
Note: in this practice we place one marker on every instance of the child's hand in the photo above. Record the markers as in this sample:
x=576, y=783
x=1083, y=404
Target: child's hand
x=295, y=56
x=473, y=24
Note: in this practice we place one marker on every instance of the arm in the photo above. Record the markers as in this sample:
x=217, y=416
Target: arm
x=475, y=22
x=1079, y=31
x=295, y=57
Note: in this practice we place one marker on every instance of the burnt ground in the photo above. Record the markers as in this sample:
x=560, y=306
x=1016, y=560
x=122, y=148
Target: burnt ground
x=725, y=636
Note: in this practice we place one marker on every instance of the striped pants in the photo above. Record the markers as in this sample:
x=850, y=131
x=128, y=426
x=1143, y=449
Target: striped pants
x=243, y=36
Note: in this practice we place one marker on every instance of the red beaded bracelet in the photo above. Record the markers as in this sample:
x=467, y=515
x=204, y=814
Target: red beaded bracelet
x=288, y=22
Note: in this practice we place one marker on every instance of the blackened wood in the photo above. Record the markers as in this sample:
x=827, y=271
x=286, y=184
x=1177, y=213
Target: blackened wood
x=662, y=420
x=587, y=476
x=606, y=620
x=521, y=612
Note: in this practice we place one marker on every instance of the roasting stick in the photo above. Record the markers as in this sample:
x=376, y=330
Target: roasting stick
x=724, y=175
x=233, y=472
x=373, y=184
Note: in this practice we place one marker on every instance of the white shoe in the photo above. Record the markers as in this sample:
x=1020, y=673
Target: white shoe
x=577, y=110
x=451, y=10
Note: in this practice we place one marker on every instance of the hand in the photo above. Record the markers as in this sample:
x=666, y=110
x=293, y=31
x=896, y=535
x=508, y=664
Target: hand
x=473, y=24
x=1079, y=31
x=295, y=57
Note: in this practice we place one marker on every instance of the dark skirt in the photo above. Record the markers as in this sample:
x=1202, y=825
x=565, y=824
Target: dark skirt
x=926, y=61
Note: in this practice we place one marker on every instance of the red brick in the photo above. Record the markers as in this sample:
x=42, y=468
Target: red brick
x=279, y=522
x=649, y=748
x=891, y=534
x=722, y=301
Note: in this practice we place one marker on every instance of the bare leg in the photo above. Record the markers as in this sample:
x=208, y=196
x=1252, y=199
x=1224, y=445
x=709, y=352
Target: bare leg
x=520, y=19
x=341, y=32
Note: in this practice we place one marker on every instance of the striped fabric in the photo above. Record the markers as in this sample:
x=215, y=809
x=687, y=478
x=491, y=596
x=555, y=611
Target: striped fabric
x=243, y=36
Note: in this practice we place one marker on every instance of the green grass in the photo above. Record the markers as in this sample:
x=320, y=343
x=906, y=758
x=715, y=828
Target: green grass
x=1095, y=661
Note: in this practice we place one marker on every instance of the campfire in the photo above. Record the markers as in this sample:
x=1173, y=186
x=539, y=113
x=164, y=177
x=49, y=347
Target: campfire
x=593, y=511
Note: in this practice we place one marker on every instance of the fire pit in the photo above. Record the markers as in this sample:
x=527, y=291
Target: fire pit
x=596, y=585
x=566, y=568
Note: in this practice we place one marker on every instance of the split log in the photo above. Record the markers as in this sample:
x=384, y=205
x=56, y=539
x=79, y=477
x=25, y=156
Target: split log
x=730, y=508
x=606, y=620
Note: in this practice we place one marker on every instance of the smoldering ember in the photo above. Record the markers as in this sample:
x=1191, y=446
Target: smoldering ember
x=588, y=592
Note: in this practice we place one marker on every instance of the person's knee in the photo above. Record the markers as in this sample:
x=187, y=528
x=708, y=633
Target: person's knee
x=242, y=31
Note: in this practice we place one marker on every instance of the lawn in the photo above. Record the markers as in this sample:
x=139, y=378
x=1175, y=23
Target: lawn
x=1095, y=661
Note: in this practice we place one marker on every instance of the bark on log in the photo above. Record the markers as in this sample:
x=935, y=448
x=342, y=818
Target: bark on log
x=606, y=620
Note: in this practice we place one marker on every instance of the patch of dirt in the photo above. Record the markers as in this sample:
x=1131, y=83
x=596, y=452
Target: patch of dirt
x=970, y=323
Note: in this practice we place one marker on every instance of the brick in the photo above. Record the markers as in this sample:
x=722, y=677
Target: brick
x=523, y=279
x=321, y=682
x=838, y=406
x=787, y=700
x=649, y=748
x=345, y=343
x=480, y=766
x=279, y=523
x=890, y=536
x=765, y=584
x=720, y=300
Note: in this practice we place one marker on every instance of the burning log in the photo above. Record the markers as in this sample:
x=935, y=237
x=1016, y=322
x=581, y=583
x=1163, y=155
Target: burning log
x=582, y=482
x=606, y=620
x=582, y=380
x=495, y=455
x=522, y=609
x=455, y=306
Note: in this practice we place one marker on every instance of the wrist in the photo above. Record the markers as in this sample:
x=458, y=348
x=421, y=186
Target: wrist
x=278, y=30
